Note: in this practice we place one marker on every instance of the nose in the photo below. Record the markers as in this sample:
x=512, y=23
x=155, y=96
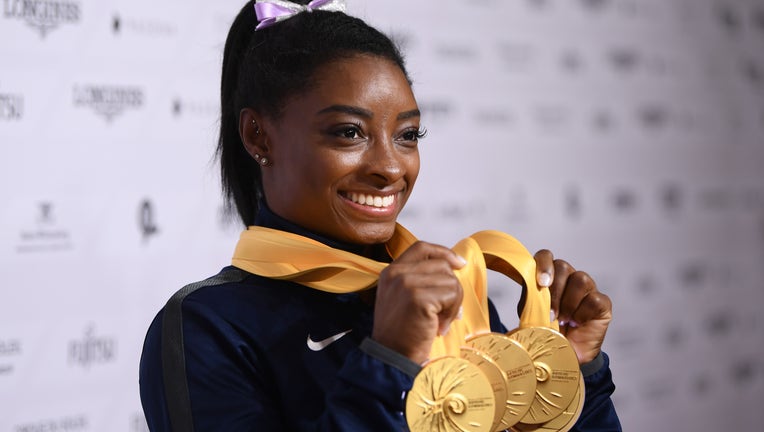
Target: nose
x=384, y=161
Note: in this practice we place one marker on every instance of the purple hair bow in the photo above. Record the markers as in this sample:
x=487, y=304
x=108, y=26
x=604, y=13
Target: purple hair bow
x=270, y=12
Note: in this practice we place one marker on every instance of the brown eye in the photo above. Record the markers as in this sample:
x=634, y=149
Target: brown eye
x=348, y=132
x=413, y=135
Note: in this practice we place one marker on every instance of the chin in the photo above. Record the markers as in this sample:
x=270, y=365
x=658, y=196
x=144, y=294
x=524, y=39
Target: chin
x=379, y=233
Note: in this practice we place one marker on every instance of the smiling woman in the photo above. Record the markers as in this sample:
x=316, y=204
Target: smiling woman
x=343, y=156
x=331, y=308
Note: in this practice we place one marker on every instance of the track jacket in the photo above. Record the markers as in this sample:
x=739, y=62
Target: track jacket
x=269, y=355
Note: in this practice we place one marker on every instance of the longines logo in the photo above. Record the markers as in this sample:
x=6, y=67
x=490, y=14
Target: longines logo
x=11, y=106
x=92, y=349
x=108, y=101
x=46, y=235
x=42, y=15
x=68, y=424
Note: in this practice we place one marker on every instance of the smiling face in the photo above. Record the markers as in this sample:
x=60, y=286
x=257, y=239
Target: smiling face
x=344, y=154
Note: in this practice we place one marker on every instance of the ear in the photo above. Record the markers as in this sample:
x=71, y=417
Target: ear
x=252, y=133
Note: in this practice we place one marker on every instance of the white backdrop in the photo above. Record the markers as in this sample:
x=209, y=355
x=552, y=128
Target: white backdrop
x=625, y=135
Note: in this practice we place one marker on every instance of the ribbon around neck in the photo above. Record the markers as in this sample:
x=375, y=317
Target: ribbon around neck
x=270, y=12
x=281, y=255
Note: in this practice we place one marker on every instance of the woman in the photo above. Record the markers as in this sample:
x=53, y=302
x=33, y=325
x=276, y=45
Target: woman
x=319, y=134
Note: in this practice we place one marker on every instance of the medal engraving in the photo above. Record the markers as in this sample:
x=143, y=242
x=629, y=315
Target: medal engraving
x=450, y=395
x=519, y=374
x=563, y=422
x=557, y=373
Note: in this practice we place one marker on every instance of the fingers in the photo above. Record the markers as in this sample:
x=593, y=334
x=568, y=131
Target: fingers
x=578, y=286
x=422, y=251
x=562, y=271
x=595, y=305
x=418, y=296
x=544, y=267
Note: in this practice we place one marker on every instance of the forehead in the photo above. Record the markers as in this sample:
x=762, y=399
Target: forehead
x=360, y=76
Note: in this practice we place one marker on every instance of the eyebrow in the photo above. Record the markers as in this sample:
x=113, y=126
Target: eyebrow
x=348, y=109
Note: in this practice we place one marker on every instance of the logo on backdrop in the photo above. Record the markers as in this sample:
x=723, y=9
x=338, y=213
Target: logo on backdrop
x=437, y=109
x=108, y=101
x=493, y=117
x=146, y=222
x=653, y=117
x=572, y=202
x=92, y=349
x=624, y=200
x=11, y=106
x=457, y=53
x=758, y=19
x=153, y=27
x=42, y=15
x=183, y=107
x=9, y=349
x=68, y=424
x=46, y=235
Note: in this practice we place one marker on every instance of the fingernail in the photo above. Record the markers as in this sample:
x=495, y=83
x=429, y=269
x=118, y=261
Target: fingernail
x=445, y=330
x=552, y=315
x=460, y=313
x=545, y=279
x=562, y=323
x=572, y=324
x=462, y=261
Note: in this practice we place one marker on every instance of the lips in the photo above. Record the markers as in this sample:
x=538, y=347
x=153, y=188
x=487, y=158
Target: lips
x=378, y=201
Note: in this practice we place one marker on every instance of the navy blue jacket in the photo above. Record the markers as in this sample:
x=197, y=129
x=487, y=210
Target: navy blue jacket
x=250, y=366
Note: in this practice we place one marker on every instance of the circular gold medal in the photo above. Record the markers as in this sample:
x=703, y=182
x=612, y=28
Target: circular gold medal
x=563, y=422
x=557, y=372
x=450, y=394
x=519, y=374
x=495, y=376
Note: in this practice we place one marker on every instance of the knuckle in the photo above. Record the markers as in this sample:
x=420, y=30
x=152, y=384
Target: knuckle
x=582, y=279
x=563, y=266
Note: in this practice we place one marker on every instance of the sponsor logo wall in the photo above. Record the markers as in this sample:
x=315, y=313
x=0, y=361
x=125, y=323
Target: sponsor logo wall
x=627, y=136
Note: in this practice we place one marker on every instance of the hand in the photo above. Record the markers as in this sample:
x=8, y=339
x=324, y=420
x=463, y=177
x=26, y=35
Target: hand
x=418, y=296
x=584, y=312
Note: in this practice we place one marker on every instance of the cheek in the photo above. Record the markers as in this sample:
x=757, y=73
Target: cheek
x=412, y=168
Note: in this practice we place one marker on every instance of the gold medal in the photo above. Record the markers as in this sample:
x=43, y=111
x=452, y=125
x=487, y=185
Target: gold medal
x=450, y=394
x=495, y=376
x=563, y=422
x=557, y=372
x=519, y=374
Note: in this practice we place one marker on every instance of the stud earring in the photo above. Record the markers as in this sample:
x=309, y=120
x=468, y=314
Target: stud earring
x=257, y=128
x=262, y=160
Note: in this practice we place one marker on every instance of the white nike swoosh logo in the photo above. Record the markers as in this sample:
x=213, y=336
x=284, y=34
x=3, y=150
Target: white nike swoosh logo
x=319, y=345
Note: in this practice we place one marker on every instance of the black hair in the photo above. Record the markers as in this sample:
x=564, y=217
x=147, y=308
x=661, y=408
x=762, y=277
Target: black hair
x=261, y=69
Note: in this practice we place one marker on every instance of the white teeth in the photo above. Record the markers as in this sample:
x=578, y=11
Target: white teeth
x=371, y=200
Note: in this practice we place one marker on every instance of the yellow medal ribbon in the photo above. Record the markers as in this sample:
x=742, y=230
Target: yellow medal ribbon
x=281, y=255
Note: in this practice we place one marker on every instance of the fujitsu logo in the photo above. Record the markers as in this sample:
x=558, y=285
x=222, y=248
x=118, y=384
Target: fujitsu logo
x=108, y=101
x=42, y=15
x=92, y=349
